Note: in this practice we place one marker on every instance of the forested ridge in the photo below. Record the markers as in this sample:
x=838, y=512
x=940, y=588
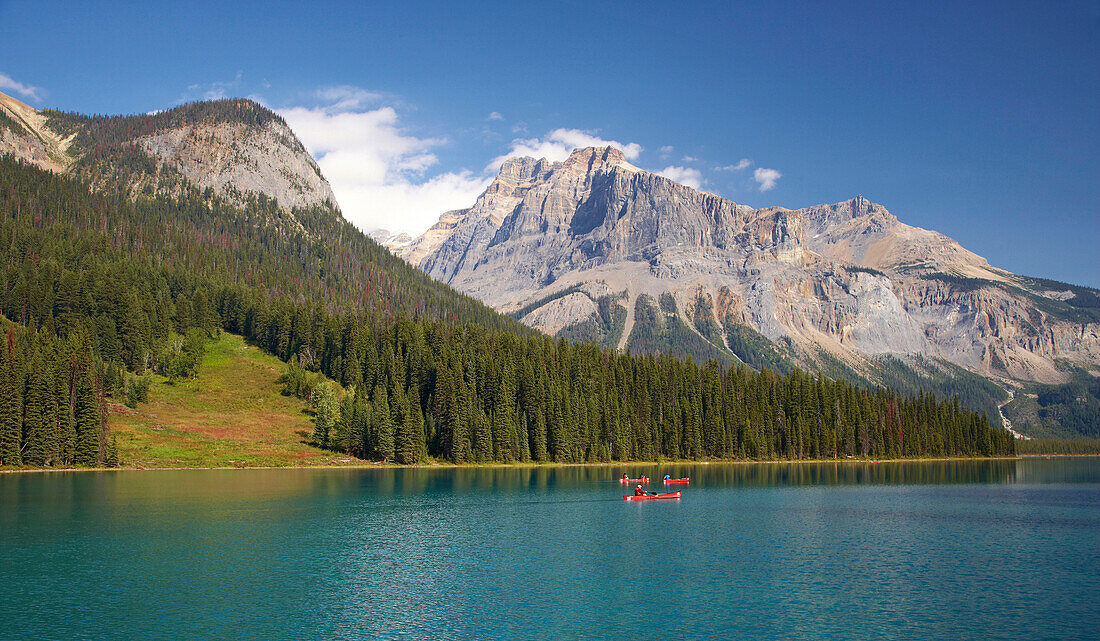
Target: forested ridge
x=107, y=132
x=117, y=287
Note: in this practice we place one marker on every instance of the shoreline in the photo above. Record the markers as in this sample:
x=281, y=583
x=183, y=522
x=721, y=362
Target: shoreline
x=394, y=466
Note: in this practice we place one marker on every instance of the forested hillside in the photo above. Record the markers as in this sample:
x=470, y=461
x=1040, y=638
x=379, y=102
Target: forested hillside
x=429, y=372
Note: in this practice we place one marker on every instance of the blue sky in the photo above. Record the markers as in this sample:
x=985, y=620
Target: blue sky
x=980, y=120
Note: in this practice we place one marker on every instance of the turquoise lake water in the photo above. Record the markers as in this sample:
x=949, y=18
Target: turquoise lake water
x=990, y=549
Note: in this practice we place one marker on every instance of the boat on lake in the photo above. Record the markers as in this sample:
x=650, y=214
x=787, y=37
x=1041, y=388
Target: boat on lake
x=652, y=497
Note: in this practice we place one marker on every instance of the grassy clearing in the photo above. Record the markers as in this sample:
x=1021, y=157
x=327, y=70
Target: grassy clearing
x=231, y=415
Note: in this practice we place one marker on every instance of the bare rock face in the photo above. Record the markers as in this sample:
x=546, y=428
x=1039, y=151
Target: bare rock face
x=235, y=159
x=848, y=280
x=554, y=316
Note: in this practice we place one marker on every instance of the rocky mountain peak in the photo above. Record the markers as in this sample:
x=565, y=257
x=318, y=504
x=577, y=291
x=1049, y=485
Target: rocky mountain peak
x=524, y=168
x=517, y=175
x=591, y=159
x=858, y=208
x=577, y=242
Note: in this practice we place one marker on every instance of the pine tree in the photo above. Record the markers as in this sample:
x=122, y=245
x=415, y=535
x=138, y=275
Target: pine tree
x=86, y=415
x=409, y=440
x=36, y=416
x=361, y=423
x=66, y=379
x=112, y=458
x=326, y=412
x=344, y=438
x=483, y=437
x=382, y=417
x=11, y=393
x=134, y=333
x=538, y=438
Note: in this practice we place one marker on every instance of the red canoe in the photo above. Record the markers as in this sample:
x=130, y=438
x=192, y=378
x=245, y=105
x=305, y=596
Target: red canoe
x=644, y=479
x=652, y=497
x=677, y=481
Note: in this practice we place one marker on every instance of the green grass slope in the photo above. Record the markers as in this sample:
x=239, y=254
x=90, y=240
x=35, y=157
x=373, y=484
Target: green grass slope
x=232, y=414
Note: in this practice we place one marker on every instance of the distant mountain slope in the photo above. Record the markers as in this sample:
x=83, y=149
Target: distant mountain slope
x=835, y=287
x=305, y=254
x=233, y=148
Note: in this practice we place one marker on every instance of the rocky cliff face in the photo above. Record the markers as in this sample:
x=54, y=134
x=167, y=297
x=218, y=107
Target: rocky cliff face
x=233, y=147
x=235, y=159
x=846, y=282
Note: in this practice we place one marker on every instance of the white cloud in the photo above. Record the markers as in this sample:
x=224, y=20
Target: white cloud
x=690, y=159
x=667, y=149
x=27, y=91
x=218, y=90
x=375, y=168
x=766, y=177
x=742, y=164
x=495, y=116
x=347, y=98
x=556, y=146
x=684, y=175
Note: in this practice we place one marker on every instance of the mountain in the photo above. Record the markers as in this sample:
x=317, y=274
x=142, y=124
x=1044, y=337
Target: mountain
x=595, y=248
x=234, y=148
x=129, y=252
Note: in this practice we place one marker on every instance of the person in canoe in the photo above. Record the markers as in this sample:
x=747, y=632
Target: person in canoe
x=638, y=491
x=625, y=477
x=667, y=477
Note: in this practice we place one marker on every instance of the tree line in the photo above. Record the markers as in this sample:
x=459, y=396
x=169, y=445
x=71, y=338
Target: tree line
x=412, y=390
x=1075, y=446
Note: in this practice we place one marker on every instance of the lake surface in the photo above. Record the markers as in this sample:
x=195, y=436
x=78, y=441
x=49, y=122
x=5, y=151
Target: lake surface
x=990, y=549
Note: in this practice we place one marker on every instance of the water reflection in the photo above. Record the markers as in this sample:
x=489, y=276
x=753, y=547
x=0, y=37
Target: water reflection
x=173, y=487
x=509, y=479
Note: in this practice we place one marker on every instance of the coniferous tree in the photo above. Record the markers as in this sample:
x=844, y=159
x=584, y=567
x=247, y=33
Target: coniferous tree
x=483, y=437
x=11, y=394
x=36, y=416
x=409, y=439
x=86, y=419
x=326, y=412
x=345, y=437
x=382, y=417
